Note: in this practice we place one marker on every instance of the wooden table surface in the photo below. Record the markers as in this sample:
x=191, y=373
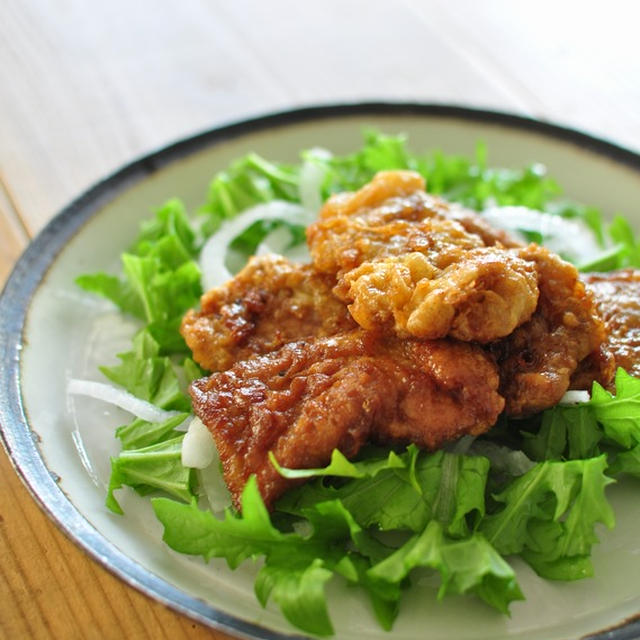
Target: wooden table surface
x=85, y=87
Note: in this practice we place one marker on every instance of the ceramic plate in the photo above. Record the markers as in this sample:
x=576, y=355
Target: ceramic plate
x=49, y=332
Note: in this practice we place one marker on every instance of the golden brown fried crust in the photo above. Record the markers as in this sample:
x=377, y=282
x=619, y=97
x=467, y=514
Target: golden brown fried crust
x=400, y=195
x=410, y=262
x=539, y=358
x=269, y=303
x=311, y=397
x=391, y=215
x=483, y=295
x=299, y=373
x=599, y=366
x=617, y=296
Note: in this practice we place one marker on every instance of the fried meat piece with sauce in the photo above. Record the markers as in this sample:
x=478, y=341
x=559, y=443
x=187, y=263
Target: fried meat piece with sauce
x=617, y=297
x=538, y=360
x=351, y=227
x=312, y=396
x=480, y=297
x=408, y=261
x=268, y=303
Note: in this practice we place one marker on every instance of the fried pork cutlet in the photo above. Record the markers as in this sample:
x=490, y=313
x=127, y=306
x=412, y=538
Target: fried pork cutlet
x=270, y=302
x=481, y=296
x=296, y=375
x=538, y=360
x=413, y=263
x=312, y=396
x=617, y=297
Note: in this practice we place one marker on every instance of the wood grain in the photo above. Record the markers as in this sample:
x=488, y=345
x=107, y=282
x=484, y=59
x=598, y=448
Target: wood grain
x=87, y=87
x=13, y=235
x=50, y=589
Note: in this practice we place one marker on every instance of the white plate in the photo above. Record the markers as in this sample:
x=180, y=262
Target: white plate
x=49, y=332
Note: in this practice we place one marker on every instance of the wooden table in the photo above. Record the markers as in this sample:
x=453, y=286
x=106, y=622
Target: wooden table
x=86, y=87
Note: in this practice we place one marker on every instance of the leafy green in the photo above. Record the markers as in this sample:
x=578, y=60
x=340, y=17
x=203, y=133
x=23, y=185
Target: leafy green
x=455, y=177
x=343, y=468
x=442, y=486
x=469, y=565
x=148, y=375
x=295, y=570
x=571, y=432
x=170, y=225
x=296, y=567
x=119, y=291
x=140, y=433
x=189, y=530
x=549, y=513
x=608, y=423
x=247, y=242
x=619, y=415
x=161, y=280
x=299, y=591
x=627, y=462
x=249, y=181
x=158, y=467
x=623, y=250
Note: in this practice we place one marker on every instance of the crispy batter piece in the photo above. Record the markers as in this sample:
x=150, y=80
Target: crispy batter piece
x=539, y=358
x=408, y=261
x=617, y=297
x=270, y=302
x=312, y=396
x=480, y=297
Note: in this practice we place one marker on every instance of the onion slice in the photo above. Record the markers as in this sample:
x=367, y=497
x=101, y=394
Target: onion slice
x=198, y=448
x=213, y=256
x=574, y=397
x=571, y=238
x=120, y=398
x=312, y=176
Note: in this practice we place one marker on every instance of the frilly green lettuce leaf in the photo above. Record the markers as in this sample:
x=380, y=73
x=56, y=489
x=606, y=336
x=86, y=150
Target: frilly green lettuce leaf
x=470, y=565
x=444, y=486
x=619, y=414
x=157, y=467
x=549, y=513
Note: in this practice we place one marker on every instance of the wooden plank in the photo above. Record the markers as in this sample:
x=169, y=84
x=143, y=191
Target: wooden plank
x=13, y=235
x=574, y=67
x=86, y=89
x=334, y=50
x=50, y=589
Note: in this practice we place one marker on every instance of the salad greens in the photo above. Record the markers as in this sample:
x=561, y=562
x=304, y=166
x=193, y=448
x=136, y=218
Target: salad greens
x=533, y=488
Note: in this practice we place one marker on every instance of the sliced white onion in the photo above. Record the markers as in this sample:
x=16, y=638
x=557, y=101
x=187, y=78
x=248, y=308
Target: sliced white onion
x=279, y=242
x=299, y=253
x=120, y=398
x=570, y=238
x=303, y=528
x=311, y=178
x=212, y=484
x=502, y=458
x=575, y=397
x=198, y=448
x=514, y=462
x=460, y=446
x=275, y=242
x=214, y=253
